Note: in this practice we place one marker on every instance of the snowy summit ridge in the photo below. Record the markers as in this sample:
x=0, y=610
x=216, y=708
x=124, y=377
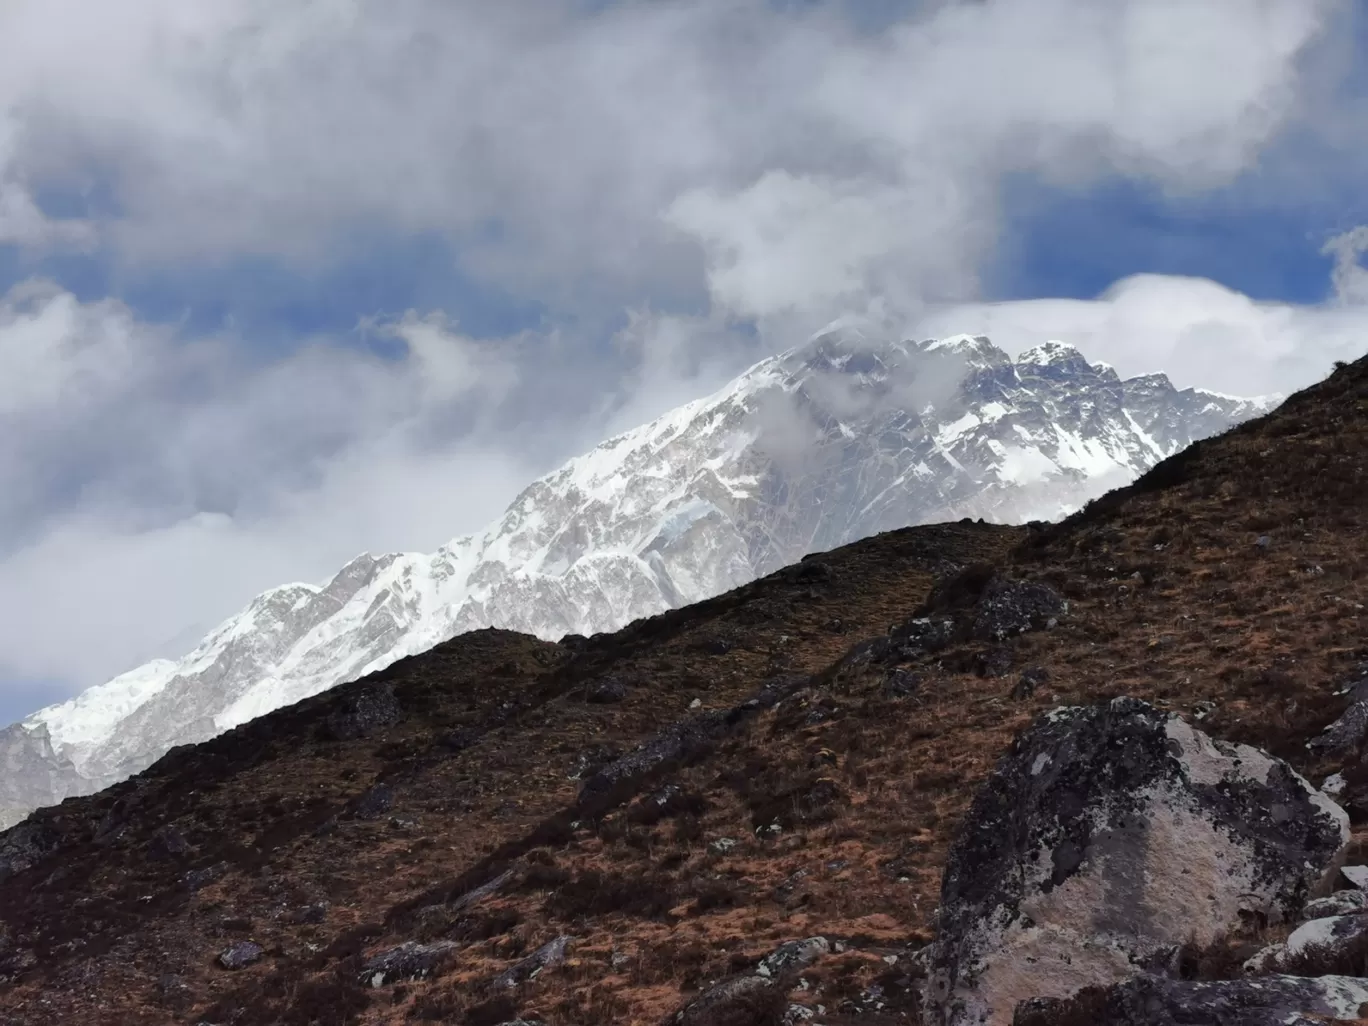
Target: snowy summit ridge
x=825, y=444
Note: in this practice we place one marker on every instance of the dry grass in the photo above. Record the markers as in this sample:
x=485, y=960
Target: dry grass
x=1171, y=601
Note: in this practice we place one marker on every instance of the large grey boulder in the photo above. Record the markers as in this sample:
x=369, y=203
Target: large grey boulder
x=1108, y=836
x=1154, y=1001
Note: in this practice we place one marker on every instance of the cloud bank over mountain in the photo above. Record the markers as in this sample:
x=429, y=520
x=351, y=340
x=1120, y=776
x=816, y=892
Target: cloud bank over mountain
x=662, y=193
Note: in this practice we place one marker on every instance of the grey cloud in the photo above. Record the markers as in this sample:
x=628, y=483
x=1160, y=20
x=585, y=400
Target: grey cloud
x=549, y=145
x=732, y=175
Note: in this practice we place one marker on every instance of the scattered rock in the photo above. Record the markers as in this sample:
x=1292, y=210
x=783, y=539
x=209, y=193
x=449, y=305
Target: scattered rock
x=549, y=954
x=723, y=845
x=1031, y=678
x=1346, y=733
x=676, y=742
x=1333, y=784
x=200, y=878
x=994, y=662
x=915, y=637
x=1108, y=836
x=740, y=1000
x=476, y=895
x=606, y=691
x=1155, y=1001
x=1007, y=608
x=241, y=955
x=902, y=683
x=792, y=957
x=168, y=843
x=309, y=914
x=1263, y=541
x=1350, y=729
x=363, y=712
x=170, y=986
x=375, y=802
x=407, y=961
x=592, y=759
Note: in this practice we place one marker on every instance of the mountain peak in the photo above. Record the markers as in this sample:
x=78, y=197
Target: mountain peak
x=1048, y=353
x=841, y=438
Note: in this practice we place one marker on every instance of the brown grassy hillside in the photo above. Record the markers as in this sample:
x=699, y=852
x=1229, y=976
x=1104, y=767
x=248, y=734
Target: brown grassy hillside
x=1229, y=584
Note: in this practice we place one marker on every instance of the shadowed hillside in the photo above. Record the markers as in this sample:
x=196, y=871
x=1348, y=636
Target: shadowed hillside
x=680, y=798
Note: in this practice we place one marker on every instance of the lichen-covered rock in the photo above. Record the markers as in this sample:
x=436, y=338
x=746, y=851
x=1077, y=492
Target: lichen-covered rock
x=739, y=999
x=1347, y=732
x=1108, y=836
x=240, y=955
x=549, y=954
x=792, y=957
x=1009, y=607
x=1321, y=945
x=1341, y=903
x=363, y=713
x=919, y=635
x=407, y=961
x=758, y=997
x=1154, y=1001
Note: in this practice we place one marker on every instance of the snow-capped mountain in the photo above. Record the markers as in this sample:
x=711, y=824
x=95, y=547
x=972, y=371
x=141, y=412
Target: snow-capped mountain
x=825, y=444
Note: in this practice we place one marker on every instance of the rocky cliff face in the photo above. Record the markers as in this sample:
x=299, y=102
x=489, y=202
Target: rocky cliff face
x=834, y=441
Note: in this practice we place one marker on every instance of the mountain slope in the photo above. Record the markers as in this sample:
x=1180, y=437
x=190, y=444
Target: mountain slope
x=831, y=442
x=458, y=797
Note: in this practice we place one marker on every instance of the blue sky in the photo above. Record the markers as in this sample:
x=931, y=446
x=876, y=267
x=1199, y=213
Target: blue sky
x=282, y=283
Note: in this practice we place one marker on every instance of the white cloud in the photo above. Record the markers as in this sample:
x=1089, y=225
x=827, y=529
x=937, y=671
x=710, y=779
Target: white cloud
x=1197, y=331
x=733, y=173
x=773, y=136
x=203, y=479
x=54, y=351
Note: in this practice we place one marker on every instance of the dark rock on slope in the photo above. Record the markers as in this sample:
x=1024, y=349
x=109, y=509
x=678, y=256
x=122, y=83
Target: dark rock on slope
x=1151, y=1001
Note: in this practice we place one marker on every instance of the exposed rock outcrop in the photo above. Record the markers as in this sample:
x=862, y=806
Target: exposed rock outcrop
x=408, y=961
x=1154, y=1001
x=552, y=953
x=1107, y=837
x=240, y=955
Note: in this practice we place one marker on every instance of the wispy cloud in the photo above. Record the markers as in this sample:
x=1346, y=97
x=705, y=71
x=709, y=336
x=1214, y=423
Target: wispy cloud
x=681, y=187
